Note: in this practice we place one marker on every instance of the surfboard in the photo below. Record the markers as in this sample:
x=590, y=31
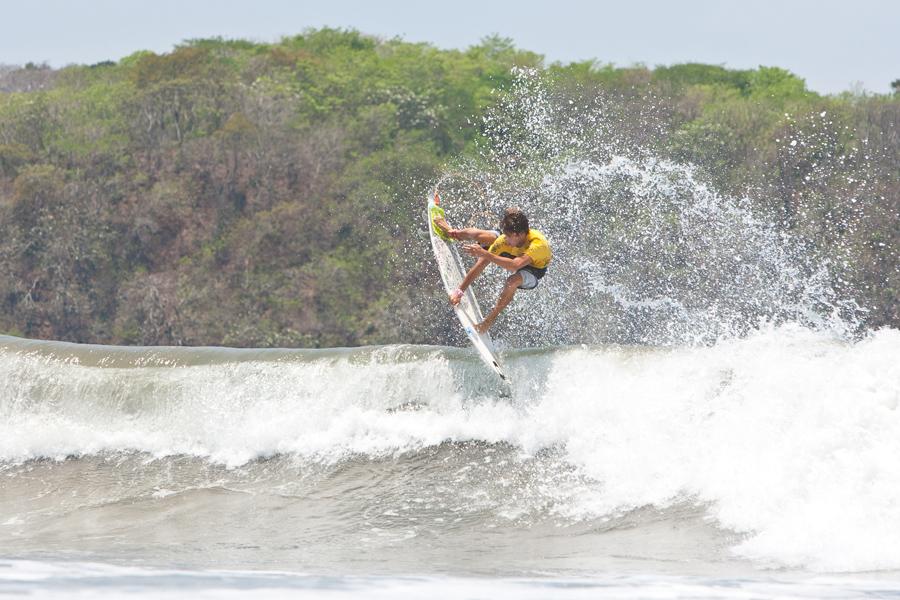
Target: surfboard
x=452, y=273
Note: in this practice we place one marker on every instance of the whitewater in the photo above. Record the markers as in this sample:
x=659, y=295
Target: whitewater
x=775, y=451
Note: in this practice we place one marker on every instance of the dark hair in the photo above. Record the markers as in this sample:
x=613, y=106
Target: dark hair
x=514, y=221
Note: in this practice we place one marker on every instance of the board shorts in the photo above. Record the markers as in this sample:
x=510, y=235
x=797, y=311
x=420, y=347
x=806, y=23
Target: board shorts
x=531, y=276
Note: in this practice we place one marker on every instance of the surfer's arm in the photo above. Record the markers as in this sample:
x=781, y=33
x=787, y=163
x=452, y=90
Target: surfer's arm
x=473, y=273
x=457, y=294
x=510, y=264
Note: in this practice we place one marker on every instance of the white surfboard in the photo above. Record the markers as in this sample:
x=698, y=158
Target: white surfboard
x=452, y=273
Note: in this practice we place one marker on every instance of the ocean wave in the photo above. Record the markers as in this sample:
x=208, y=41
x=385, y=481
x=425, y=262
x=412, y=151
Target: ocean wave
x=788, y=437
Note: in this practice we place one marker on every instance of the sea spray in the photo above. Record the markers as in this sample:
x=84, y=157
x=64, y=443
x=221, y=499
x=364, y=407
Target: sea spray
x=645, y=251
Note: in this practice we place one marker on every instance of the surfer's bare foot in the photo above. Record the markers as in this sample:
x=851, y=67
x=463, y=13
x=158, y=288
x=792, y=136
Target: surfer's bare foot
x=442, y=224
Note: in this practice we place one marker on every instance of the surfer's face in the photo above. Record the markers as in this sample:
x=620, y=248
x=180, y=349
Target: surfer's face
x=516, y=239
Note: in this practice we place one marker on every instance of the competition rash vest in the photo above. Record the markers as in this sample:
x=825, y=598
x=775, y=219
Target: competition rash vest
x=535, y=246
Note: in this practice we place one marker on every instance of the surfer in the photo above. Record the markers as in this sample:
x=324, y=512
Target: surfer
x=515, y=247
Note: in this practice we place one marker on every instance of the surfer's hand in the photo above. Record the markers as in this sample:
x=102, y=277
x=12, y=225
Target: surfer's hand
x=483, y=327
x=474, y=250
x=455, y=296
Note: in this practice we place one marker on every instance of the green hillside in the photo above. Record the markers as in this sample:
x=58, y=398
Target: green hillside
x=249, y=194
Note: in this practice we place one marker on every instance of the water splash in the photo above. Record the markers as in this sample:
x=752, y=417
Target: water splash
x=645, y=250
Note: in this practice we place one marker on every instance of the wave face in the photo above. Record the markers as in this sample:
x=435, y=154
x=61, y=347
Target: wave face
x=776, y=450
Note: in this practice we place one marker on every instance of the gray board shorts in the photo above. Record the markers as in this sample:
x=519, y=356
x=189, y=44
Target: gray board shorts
x=530, y=277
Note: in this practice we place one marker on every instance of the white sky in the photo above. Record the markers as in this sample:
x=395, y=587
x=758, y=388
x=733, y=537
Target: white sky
x=835, y=45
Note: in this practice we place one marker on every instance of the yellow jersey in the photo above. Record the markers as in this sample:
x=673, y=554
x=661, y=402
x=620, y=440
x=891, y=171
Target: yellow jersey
x=535, y=246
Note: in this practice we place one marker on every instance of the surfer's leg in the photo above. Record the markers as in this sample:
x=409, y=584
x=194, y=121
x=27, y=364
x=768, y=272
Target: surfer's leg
x=484, y=237
x=509, y=290
x=442, y=224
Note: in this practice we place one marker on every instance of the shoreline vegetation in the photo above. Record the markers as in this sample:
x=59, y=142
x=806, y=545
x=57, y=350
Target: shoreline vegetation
x=250, y=194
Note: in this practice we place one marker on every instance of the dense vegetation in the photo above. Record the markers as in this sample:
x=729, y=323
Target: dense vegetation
x=249, y=194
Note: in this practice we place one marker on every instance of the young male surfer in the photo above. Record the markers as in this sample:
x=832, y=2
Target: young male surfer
x=517, y=248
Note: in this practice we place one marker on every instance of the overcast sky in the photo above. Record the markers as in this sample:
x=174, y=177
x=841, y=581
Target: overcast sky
x=835, y=45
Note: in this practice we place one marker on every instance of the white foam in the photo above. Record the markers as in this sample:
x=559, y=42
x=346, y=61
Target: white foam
x=790, y=437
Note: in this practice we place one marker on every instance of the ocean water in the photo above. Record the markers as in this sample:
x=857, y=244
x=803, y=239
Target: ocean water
x=695, y=412
x=764, y=466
